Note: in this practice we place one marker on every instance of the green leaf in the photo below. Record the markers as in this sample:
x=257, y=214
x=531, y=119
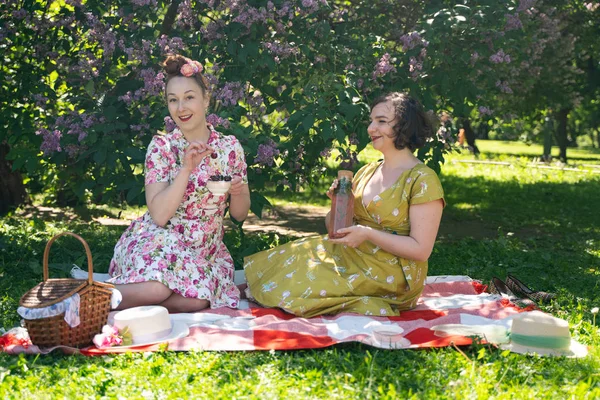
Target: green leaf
x=350, y=110
x=110, y=113
x=89, y=88
x=308, y=122
x=100, y=155
x=257, y=203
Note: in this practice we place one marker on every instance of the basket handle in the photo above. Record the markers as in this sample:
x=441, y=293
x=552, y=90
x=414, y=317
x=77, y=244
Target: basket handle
x=87, y=251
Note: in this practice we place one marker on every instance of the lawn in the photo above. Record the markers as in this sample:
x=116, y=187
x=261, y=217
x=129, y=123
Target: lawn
x=541, y=225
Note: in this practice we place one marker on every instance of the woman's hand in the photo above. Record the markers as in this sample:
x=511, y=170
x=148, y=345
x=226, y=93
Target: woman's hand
x=355, y=235
x=238, y=187
x=194, y=154
x=334, y=185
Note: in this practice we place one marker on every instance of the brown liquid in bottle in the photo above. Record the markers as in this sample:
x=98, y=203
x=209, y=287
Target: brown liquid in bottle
x=342, y=205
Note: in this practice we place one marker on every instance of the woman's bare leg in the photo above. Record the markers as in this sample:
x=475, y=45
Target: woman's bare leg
x=143, y=294
x=242, y=288
x=176, y=303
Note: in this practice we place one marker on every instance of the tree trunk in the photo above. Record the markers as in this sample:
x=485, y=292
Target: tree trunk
x=548, y=133
x=12, y=190
x=170, y=16
x=561, y=133
x=469, y=135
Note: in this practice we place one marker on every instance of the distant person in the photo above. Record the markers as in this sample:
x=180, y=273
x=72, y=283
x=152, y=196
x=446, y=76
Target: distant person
x=174, y=255
x=461, y=137
x=380, y=266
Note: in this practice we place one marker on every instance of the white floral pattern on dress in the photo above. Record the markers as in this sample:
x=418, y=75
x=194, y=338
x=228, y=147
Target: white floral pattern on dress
x=188, y=254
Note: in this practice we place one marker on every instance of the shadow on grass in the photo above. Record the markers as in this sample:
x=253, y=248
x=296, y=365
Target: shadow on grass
x=545, y=233
x=345, y=369
x=540, y=208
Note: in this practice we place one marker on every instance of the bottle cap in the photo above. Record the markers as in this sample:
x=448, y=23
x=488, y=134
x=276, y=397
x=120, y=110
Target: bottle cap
x=345, y=174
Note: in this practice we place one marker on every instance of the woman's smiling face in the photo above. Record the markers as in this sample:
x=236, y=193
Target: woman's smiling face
x=381, y=128
x=187, y=103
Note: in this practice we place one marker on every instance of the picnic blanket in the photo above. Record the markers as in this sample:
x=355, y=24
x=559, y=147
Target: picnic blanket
x=445, y=300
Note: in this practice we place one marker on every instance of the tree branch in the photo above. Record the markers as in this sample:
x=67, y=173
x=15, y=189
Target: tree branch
x=170, y=16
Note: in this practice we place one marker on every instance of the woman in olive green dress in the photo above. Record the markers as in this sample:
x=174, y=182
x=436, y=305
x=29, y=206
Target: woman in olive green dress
x=379, y=267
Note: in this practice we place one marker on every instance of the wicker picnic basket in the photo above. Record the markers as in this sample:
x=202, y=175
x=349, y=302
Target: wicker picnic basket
x=93, y=309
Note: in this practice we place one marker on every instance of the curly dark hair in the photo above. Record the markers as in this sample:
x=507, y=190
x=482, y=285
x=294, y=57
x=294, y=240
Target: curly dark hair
x=172, y=67
x=413, y=126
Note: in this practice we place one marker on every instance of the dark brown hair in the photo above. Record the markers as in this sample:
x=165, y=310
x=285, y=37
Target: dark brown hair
x=172, y=66
x=413, y=126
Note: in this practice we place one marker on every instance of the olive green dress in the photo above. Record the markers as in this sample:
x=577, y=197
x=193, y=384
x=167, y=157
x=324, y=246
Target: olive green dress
x=313, y=276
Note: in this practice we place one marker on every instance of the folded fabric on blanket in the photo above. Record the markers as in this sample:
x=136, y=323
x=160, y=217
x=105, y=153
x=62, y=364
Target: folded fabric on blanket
x=445, y=301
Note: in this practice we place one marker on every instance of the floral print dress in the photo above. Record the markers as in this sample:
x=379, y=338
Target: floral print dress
x=313, y=276
x=188, y=254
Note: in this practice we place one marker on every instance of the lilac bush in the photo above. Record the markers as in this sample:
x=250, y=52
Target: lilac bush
x=81, y=92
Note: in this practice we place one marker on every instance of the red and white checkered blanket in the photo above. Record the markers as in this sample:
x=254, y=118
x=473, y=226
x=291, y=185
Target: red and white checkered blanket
x=445, y=300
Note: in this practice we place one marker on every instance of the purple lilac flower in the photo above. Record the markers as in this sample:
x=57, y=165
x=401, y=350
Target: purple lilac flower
x=383, y=67
x=311, y=6
x=281, y=50
x=215, y=121
x=87, y=120
x=170, y=45
x=19, y=14
x=500, y=57
x=231, y=93
x=412, y=40
x=525, y=5
x=326, y=152
x=144, y=3
x=142, y=129
x=51, y=141
x=40, y=100
x=154, y=84
x=170, y=125
x=266, y=152
x=126, y=98
x=249, y=15
x=503, y=86
x=484, y=111
x=186, y=17
x=212, y=31
x=513, y=22
x=256, y=101
x=73, y=150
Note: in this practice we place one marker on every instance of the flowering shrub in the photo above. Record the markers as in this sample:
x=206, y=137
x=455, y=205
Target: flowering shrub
x=81, y=91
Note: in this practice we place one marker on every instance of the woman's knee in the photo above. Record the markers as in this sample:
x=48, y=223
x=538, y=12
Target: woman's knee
x=158, y=290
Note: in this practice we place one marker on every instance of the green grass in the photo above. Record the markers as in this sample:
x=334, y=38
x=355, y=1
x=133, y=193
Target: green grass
x=540, y=225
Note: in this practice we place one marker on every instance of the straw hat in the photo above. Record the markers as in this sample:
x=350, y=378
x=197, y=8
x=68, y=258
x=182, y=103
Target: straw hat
x=543, y=334
x=149, y=325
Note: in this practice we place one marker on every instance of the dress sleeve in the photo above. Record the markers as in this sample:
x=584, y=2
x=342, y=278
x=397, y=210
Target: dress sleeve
x=427, y=187
x=238, y=161
x=159, y=160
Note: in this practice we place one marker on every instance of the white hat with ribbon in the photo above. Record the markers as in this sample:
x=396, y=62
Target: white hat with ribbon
x=149, y=325
x=542, y=334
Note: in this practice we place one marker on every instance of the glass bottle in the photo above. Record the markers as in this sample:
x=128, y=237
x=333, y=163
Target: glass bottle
x=342, y=205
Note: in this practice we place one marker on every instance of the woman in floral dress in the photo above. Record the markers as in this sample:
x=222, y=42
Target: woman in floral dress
x=174, y=255
x=379, y=267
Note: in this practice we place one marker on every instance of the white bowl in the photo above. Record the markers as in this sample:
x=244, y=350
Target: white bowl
x=218, y=187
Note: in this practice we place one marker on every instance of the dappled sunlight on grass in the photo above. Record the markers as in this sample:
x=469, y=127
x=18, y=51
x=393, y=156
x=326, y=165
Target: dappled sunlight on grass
x=540, y=225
